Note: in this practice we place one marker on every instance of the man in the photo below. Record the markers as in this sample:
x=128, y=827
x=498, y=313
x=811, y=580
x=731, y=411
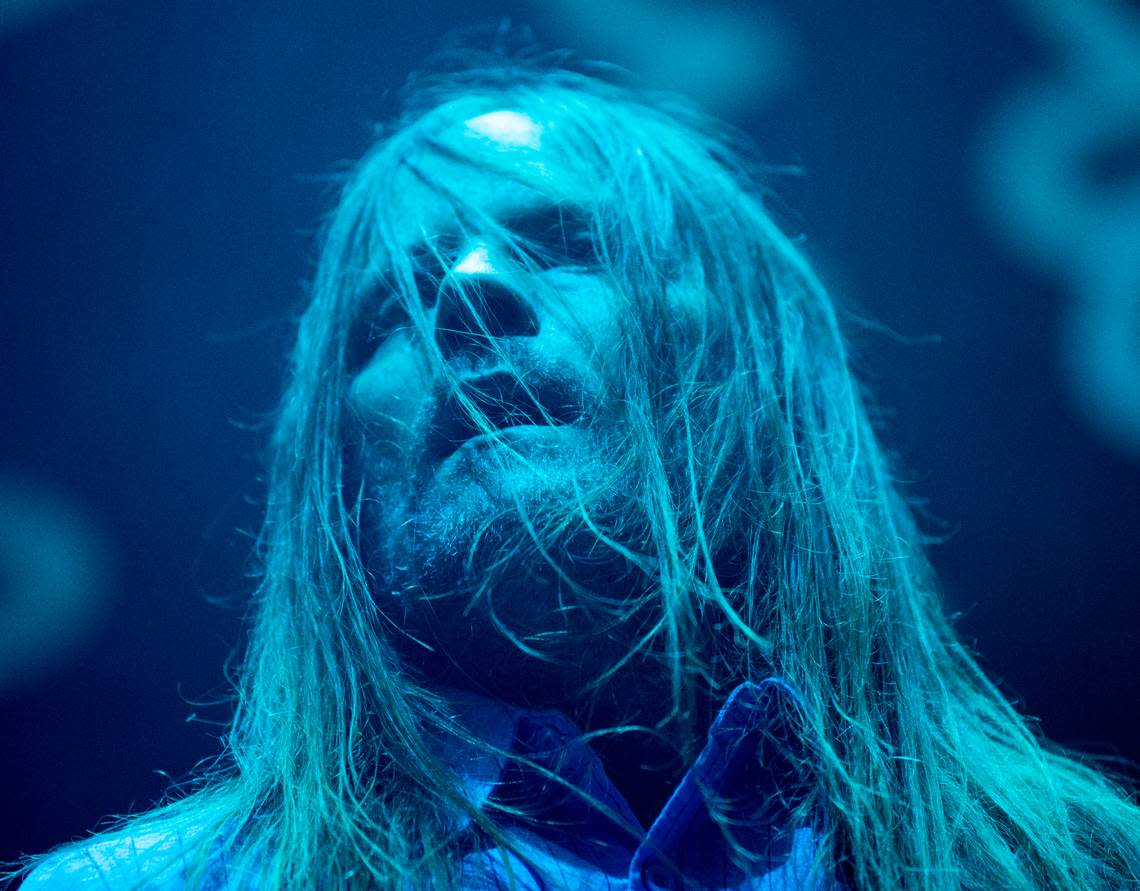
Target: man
x=583, y=568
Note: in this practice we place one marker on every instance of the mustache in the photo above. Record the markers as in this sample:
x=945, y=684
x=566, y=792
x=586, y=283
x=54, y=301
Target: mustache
x=500, y=399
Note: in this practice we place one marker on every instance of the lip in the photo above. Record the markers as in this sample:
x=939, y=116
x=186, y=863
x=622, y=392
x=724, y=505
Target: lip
x=513, y=409
x=519, y=432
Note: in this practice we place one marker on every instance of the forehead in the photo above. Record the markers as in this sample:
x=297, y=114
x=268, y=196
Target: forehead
x=485, y=159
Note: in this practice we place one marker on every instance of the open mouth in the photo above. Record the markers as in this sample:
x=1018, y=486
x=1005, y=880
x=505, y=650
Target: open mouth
x=505, y=402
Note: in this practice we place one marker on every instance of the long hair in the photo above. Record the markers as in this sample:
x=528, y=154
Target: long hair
x=771, y=538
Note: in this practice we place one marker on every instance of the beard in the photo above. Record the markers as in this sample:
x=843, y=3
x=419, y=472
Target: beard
x=491, y=570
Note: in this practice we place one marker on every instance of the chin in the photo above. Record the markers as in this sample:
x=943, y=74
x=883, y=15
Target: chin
x=456, y=545
x=533, y=475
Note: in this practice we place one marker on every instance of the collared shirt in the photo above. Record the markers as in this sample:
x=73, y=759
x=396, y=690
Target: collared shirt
x=751, y=766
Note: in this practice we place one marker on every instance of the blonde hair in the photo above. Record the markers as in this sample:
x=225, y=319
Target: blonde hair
x=775, y=541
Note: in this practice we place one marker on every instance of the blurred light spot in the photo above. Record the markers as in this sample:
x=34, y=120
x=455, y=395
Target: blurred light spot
x=508, y=128
x=729, y=57
x=1060, y=178
x=17, y=14
x=55, y=575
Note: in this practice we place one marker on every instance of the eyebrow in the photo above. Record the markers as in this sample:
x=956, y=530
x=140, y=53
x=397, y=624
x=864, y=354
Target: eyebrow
x=557, y=232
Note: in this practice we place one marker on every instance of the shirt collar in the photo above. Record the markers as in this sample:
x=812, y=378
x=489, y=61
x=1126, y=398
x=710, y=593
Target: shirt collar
x=751, y=744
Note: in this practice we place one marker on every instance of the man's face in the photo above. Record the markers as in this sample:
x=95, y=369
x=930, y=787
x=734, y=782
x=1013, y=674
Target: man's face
x=447, y=505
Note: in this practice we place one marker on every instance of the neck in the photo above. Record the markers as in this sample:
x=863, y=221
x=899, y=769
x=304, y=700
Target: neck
x=645, y=772
x=644, y=764
x=645, y=761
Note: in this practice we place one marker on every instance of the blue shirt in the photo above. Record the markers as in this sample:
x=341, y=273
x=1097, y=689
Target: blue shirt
x=751, y=764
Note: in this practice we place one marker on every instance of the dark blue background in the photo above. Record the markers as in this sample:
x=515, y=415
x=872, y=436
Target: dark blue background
x=163, y=169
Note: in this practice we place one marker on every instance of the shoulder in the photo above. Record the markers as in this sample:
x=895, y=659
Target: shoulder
x=155, y=861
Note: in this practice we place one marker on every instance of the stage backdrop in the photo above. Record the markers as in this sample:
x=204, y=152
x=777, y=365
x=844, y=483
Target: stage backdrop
x=966, y=175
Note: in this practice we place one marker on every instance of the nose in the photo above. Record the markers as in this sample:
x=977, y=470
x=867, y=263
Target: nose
x=476, y=310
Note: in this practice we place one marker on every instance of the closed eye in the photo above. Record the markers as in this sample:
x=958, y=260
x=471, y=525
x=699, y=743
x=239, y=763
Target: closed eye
x=555, y=235
x=374, y=327
x=427, y=286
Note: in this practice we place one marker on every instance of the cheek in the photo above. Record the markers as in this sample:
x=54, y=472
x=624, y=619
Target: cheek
x=388, y=395
x=583, y=325
x=586, y=303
